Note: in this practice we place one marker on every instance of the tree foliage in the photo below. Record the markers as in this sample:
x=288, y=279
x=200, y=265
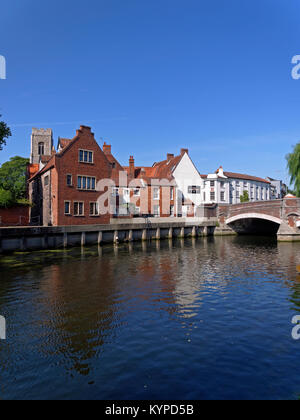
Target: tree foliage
x=6, y=198
x=5, y=133
x=13, y=178
x=293, y=164
x=245, y=197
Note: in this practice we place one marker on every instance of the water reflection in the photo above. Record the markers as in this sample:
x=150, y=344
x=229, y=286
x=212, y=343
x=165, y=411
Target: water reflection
x=110, y=314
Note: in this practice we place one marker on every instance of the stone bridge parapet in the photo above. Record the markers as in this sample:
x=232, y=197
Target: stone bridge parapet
x=285, y=213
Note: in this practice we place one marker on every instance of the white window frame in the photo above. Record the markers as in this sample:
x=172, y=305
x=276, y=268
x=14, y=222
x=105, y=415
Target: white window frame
x=70, y=204
x=156, y=193
x=88, y=152
x=86, y=183
x=79, y=202
x=70, y=185
x=95, y=207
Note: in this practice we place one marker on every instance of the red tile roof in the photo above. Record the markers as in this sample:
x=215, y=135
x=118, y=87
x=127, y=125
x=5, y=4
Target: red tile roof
x=64, y=142
x=245, y=177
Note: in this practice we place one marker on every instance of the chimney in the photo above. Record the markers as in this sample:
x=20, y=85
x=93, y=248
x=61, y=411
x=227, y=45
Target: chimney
x=106, y=149
x=170, y=156
x=131, y=166
x=184, y=151
x=221, y=171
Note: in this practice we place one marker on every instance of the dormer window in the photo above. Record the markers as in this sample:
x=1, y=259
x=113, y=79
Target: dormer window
x=41, y=149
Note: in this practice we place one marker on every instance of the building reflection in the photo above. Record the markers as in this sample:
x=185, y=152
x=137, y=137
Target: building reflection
x=85, y=298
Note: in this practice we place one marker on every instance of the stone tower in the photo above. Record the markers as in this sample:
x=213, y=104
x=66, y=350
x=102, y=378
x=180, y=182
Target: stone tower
x=41, y=144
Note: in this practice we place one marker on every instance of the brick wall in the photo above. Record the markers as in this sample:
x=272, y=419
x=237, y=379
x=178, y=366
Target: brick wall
x=68, y=164
x=14, y=216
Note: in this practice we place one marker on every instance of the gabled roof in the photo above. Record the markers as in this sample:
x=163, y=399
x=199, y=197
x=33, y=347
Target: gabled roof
x=46, y=168
x=62, y=143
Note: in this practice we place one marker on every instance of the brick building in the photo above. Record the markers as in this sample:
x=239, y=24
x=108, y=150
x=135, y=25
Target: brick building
x=63, y=190
x=81, y=183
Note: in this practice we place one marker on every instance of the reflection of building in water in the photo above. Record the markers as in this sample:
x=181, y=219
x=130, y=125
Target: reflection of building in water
x=79, y=310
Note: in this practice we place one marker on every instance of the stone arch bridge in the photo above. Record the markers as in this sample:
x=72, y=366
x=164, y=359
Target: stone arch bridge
x=278, y=217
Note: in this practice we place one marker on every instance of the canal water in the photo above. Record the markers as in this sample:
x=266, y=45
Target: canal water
x=195, y=319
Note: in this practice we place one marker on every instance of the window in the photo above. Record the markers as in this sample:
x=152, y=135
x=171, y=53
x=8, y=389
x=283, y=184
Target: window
x=67, y=208
x=172, y=194
x=137, y=192
x=212, y=196
x=69, y=180
x=194, y=190
x=172, y=211
x=94, y=209
x=78, y=208
x=41, y=149
x=126, y=193
x=222, y=196
x=86, y=183
x=222, y=184
x=212, y=183
x=156, y=210
x=156, y=193
x=86, y=156
x=46, y=181
x=115, y=192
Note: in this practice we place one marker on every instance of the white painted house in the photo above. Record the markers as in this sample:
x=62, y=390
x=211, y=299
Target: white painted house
x=189, y=184
x=228, y=187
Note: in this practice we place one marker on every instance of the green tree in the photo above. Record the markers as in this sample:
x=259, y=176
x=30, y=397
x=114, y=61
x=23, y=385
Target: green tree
x=13, y=177
x=6, y=198
x=293, y=164
x=5, y=133
x=245, y=197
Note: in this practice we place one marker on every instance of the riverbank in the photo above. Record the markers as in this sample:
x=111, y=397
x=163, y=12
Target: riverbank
x=41, y=238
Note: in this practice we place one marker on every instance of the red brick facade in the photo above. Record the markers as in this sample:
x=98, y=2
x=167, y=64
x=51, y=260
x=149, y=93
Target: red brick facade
x=66, y=164
x=59, y=199
x=14, y=216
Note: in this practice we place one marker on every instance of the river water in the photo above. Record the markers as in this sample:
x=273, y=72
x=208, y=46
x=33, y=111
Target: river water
x=193, y=319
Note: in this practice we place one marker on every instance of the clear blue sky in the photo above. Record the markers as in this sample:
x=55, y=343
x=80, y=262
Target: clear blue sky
x=153, y=76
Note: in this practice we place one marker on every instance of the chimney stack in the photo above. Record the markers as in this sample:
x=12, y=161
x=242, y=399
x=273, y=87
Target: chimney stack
x=131, y=166
x=221, y=171
x=184, y=151
x=106, y=149
x=170, y=156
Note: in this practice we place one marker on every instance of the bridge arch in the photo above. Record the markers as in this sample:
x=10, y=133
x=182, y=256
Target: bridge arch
x=262, y=216
x=254, y=224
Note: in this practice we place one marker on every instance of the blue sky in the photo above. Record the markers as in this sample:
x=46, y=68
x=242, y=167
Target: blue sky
x=153, y=76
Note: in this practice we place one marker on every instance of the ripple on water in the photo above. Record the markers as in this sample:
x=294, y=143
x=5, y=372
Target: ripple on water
x=197, y=319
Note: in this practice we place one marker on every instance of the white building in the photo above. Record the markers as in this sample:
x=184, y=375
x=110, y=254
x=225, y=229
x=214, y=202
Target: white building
x=228, y=188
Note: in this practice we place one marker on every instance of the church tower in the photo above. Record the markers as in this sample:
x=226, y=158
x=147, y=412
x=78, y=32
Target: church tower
x=41, y=144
